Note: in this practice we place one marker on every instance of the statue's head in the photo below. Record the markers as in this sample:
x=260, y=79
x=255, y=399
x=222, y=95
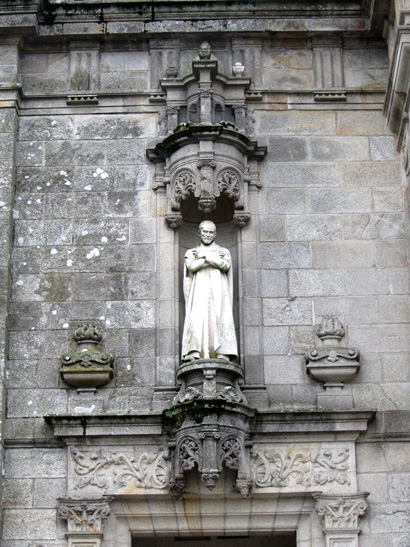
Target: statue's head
x=207, y=232
x=204, y=51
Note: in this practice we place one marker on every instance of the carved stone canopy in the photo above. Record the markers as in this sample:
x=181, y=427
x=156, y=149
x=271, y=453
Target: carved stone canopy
x=206, y=157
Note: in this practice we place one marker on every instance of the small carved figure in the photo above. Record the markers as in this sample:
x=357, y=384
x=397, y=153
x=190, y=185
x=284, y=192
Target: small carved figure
x=209, y=330
x=204, y=51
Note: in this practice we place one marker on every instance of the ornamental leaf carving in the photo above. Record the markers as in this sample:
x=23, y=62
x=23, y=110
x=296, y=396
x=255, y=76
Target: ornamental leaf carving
x=228, y=182
x=148, y=471
x=183, y=186
x=230, y=453
x=188, y=454
x=306, y=468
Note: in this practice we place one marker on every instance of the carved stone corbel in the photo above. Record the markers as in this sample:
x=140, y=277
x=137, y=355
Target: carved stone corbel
x=85, y=520
x=340, y=517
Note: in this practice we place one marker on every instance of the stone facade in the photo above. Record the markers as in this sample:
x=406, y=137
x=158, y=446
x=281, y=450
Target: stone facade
x=119, y=132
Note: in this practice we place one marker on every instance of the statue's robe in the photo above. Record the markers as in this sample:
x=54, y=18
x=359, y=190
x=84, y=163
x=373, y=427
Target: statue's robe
x=209, y=326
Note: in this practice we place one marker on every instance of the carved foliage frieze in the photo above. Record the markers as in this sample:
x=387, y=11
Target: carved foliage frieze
x=306, y=467
x=113, y=470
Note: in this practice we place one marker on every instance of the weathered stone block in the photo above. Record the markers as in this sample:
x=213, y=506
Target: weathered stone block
x=342, y=254
x=370, y=174
x=340, y=200
x=295, y=123
x=396, y=366
x=391, y=517
x=142, y=286
x=28, y=403
x=302, y=339
x=339, y=148
x=291, y=59
x=357, y=77
x=26, y=287
x=383, y=338
x=142, y=230
x=99, y=286
x=276, y=341
x=115, y=126
x=391, y=253
x=124, y=61
x=27, y=260
x=22, y=374
x=32, y=345
x=387, y=200
x=136, y=204
x=286, y=149
x=377, y=226
x=44, y=180
x=399, y=487
x=44, y=487
x=282, y=201
x=274, y=283
x=134, y=314
x=272, y=228
x=125, y=152
x=287, y=311
x=377, y=281
x=382, y=148
x=94, y=232
x=350, y=310
x=122, y=81
x=284, y=255
x=252, y=311
x=313, y=227
x=316, y=282
x=32, y=524
x=394, y=308
x=29, y=153
x=365, y=122
x=45, y=128
x=287, y=369
x=17, y=493
x=66, y=153
x=303, y=175
x=28, y=207
x=22, y=463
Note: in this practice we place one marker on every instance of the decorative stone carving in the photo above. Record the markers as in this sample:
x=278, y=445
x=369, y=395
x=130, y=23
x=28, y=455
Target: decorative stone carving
x=304, y=468
x=340, y=516
x=332, y=363
x=116, y=470
x=87, y=368
x=84, y=515
x=210, y=430
x=206, y=120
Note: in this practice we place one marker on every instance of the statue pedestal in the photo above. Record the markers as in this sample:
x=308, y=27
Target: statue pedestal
x=208, y=424
x=210, y=379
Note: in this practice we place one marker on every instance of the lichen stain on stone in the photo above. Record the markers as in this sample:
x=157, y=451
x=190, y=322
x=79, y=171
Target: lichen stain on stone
x=192, y=514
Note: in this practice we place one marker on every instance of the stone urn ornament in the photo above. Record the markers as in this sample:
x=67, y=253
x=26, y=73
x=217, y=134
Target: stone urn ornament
x=331, y=363
x=88, y=367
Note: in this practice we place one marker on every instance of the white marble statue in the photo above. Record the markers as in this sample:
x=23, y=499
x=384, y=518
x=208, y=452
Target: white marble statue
x=209, y=330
